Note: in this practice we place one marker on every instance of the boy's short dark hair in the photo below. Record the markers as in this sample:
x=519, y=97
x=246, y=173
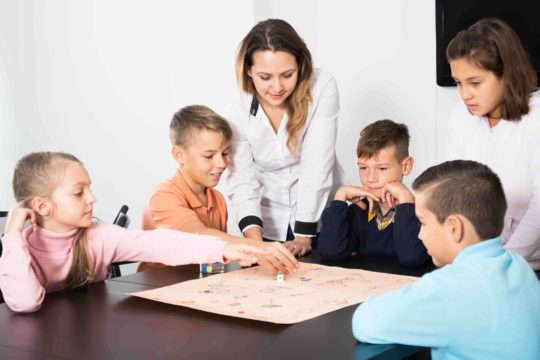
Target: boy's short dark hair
x=196, y=117
x=381, y=134
x=468, y=188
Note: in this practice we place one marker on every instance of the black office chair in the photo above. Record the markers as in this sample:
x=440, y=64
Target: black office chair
x=122, y=220
x=3, y=221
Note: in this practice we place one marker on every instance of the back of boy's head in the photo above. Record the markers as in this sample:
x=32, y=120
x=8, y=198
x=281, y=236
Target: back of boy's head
x=37, y=174
x=189, y=120
x=382, y=134
x=468, y=188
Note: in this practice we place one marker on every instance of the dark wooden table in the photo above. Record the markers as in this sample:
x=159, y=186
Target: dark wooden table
x=102, y=322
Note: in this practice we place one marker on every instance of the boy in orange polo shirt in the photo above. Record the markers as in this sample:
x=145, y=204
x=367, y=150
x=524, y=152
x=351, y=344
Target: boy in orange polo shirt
x=187, y=202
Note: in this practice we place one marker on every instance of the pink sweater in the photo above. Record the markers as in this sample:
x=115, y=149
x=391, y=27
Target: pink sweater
x=37, y=261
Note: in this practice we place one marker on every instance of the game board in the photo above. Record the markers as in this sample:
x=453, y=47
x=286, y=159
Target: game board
x=254, y=293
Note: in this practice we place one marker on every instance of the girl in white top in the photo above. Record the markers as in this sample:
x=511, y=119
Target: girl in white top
x=284, y=132
x=499, y=123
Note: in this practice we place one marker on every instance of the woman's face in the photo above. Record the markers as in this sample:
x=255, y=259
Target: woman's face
x=274, y=74
x=481, y=90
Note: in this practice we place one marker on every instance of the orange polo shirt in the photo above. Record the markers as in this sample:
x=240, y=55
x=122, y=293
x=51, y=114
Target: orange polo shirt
x=173, y=205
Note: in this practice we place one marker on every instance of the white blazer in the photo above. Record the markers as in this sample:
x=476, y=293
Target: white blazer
x=269, y=186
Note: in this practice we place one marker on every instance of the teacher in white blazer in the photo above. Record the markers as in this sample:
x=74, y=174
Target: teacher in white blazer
x=284, y=125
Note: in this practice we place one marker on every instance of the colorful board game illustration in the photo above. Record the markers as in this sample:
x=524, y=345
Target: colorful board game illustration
x=254, y=293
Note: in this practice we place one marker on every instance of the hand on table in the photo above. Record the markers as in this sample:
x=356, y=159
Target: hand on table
x=300, y=246
x=277, y=259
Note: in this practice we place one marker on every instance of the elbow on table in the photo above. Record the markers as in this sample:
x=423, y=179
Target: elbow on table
x=24, y=306
x=368, y=327
x=329, y=249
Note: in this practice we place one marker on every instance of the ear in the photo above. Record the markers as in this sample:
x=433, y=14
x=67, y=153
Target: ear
x=455, y=228
x=407, y=165
x=41, y=206
x=178, y=154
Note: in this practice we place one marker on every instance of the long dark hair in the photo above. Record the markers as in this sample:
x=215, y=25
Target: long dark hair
x=491, y=44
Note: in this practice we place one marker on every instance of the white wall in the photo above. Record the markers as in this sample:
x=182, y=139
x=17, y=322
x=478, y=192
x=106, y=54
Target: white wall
x=382, y=54
x=101, y=79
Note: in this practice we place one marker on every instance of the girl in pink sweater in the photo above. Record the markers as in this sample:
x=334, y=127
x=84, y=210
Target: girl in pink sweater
x=65, y=248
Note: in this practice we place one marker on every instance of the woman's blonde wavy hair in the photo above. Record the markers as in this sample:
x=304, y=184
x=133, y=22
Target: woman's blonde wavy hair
x=37, y=175
x=278, y=35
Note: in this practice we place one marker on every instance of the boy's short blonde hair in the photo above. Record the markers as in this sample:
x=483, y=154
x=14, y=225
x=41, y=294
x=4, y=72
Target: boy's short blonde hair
x=382, y=134
x=193, y=118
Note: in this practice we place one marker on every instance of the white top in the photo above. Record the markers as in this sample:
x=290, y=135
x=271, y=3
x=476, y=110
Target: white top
x=266, y=180
x=512, y=150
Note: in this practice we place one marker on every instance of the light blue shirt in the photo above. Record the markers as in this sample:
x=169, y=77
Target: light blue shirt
x=485, y=305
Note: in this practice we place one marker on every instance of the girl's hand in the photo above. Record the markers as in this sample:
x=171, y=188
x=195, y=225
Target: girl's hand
x=245, y=254
x=17, y=218
x=301, y=245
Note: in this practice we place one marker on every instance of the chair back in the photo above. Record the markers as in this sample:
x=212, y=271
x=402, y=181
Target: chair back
x=3, y=221
x=121, y=218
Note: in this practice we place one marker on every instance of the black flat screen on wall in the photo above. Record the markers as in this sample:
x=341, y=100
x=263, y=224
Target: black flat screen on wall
x=453, y=16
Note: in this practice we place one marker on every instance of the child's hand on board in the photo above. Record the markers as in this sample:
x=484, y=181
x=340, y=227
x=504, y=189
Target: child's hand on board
x=17, y=218
x=277, y=259
x=245, y=254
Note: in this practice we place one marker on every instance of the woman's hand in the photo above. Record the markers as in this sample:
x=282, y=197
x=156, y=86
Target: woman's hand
x=17, y=218
x=300, y=246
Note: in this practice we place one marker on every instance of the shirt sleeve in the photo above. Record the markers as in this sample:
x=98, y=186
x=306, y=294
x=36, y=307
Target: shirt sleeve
x=414, y=315
x=165, y=246
x=170, y=211
x=410, y=250
x=20, y=286
x=525, y=240
x=317, y=160
x=340, y=231
x=243, y=187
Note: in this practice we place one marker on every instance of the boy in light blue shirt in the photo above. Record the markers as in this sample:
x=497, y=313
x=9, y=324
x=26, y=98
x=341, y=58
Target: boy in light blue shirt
x=484, y=302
